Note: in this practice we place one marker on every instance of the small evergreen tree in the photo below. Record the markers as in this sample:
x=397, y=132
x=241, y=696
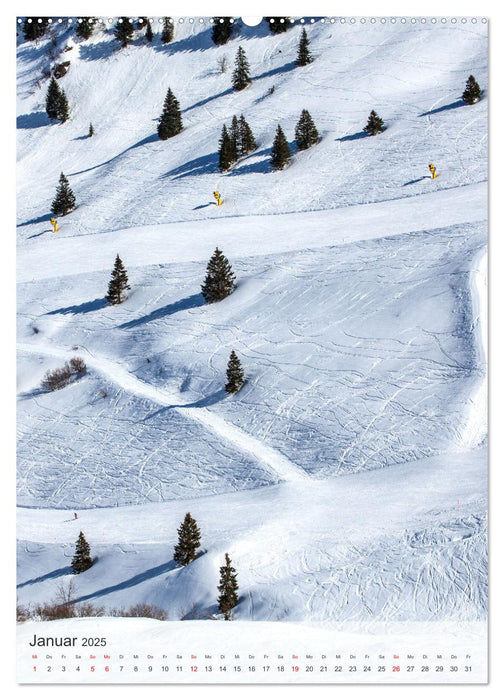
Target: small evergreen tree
x=188, y=541
x=63, y=113
x=241, y=73
x=234, y=133
x=170, y=123
x=246, y=142
x=374, y=125
x=472, y=92
x=228, y=588
x=280, y=153
x=222, y=30
x=34, y=29
x=303, y=56
x=227, y=151
x=148, y=32
x=167, y=33
x=278, y=25
x=118, y=283
x=82, y=560
x=91, y=130
x=306, y=133
x=64, y=202
x=234, y=374
x=56, y=102
x=220, y=279
x=85, y=27
x=123, y=31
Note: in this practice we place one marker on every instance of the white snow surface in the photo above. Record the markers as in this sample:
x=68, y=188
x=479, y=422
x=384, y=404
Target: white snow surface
x=347, y=478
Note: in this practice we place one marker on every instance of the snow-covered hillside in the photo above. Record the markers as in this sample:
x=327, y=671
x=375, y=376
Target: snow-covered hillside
x=347, y=478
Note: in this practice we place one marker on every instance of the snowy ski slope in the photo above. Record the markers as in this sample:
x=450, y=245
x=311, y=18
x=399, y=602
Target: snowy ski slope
x=347, y=479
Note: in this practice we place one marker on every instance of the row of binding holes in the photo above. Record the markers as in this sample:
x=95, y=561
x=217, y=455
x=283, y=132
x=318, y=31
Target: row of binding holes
x=332, y=20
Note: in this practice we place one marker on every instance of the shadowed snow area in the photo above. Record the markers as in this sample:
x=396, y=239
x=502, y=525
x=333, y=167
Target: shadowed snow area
x=347, y=478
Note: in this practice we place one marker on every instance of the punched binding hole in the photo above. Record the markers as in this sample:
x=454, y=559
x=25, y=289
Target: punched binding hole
x=251, y=21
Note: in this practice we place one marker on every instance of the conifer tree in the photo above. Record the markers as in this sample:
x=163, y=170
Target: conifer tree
x=118, y=283
x=303, y=56
x=188, y=541
x=280, y=153
x=248, y=142
x=227, y=151
x=234, y=374
x=167, y=33
x=234, y=133
x=82, y=560
x=56, y=102
x=228, y=588
x=123, y=31
x=374, y=125
x=170, y=123
x=241, y=73
x=64, y=201
x=306, y=133
x=278, y=25
x=220, y=279
x=148, y=31
x=222, y=30
x=472, y=92
x=34, y=29
x=85, y=27
x=91, y=130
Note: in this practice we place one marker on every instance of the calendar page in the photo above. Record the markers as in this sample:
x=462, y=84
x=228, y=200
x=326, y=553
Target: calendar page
x=252, y=349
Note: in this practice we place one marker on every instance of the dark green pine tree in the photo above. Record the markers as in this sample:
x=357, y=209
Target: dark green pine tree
x=246, y=140
x=306, y=133
x=64, y=202
x=189, y=538
x=53, y=99
x=234, y=133
x=33, y=29
x=234, y=374
x=167, y=33
x=303, y=56
x=374, y=125
x=170, y=123
x=63, y=112
x=82, y=560
x=227, y=151
x=123, y=31
x=241, y=73
x=118, y=283
x=280, y=153
x=148, y=32
x=91, y=130
x=222, y=30
x=278, y=25
x=220, y=279
x=472, y=92
x=85, y=27
x=228, y=588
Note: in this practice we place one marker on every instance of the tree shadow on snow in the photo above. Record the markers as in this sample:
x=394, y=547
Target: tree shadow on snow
x=103, y=49
x=204, y=402
x=276, y=71
x=206, y=100
x=354, y=137
x=33, y=120
x=37, y=220
x=192, y=302
x=198, y=166
x=444, y=108
x=65, y=571
x=84, y=308
x=148, y=139
x=130, y=582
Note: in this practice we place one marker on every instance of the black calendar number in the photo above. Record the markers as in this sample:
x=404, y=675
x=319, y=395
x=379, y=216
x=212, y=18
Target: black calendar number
x=94, y=642
x=410, y=669
x=338, y=669
x=425, y=669
x=439, y=669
